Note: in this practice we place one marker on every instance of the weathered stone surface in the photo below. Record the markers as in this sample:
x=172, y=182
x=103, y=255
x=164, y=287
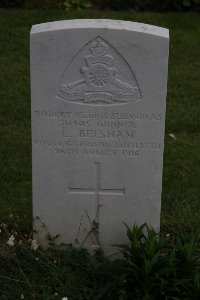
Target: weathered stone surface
x=98, y=113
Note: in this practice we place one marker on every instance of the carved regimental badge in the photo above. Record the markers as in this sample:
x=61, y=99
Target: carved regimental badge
x=99, y=75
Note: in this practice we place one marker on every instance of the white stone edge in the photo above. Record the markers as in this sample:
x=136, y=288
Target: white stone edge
x=102, y=24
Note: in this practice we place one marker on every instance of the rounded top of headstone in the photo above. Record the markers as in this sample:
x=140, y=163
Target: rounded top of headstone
x=101, y=24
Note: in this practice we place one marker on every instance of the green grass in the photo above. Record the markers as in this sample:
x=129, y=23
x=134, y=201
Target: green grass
x=153, y=268
x=48, y=275
x=181, y=188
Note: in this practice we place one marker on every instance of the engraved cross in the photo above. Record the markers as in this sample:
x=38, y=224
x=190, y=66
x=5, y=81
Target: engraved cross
x=96, y=190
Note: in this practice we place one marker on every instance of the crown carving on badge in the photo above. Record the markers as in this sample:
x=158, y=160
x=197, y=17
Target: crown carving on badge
x=100, y=53
x=99, y=47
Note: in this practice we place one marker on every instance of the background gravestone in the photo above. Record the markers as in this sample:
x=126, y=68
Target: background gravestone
x=98, y=113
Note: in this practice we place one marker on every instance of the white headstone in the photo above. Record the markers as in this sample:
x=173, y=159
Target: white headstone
x=98, y=115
